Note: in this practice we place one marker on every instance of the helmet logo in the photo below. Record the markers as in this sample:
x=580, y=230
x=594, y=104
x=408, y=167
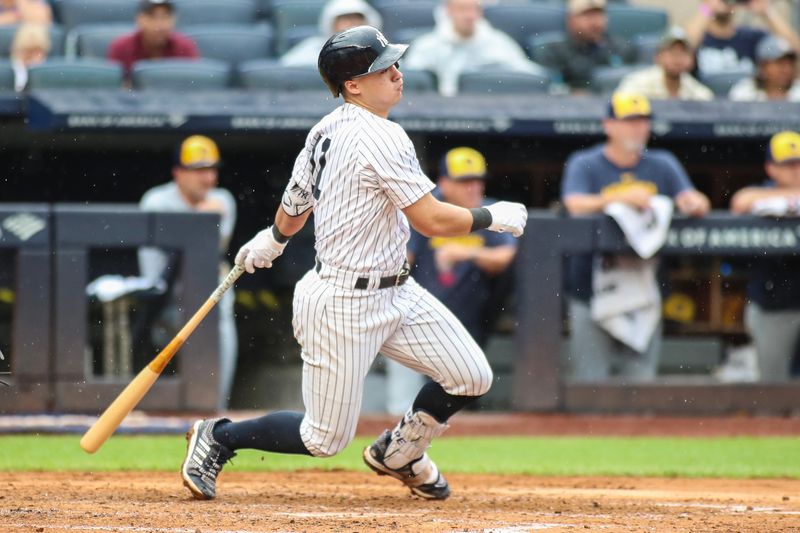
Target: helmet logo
x=381, y=39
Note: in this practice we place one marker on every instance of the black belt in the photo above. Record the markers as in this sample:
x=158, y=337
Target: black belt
x=388, y=281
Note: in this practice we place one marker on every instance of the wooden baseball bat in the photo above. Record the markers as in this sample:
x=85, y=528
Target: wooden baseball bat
x=112, y=417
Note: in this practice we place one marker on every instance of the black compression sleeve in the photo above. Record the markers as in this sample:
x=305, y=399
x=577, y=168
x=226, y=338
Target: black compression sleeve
x=279, y=237
x=481, y=218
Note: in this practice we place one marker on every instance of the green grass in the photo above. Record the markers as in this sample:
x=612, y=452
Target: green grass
x=553, y=456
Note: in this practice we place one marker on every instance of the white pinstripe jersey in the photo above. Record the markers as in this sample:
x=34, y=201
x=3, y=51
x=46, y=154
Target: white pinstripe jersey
x=357, y=171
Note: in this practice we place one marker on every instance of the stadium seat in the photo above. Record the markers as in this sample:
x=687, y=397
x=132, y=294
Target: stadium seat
x=194, y=12
x=271, y=75
x=521, y=21
x=606, y=79
x=646, y=47
x=721, y=82
x=404, y=16
x=295, y=35
x=233, y=42
x=56, y=40
x=72, y=74
x=75, y=12
x=407, y=35
x=418, y=81
x=537, y=45
x=182, y=74
x=502, y=82
x=627, y=21
x=93, y=40
x=6, y=76
x=290, y=14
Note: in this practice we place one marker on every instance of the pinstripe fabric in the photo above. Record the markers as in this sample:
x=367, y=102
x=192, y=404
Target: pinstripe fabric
x=357, y=186
x=341, y=331
x=358, y=171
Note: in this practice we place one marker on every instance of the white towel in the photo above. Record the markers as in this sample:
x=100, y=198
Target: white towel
x=776, y=207
x=111, y=287
x=626, y=301
x=646, y=230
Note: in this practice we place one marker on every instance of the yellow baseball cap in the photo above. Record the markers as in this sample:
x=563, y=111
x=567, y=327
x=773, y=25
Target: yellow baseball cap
x=624, y=106
x=463, y=163
x=784, y=147
x=198, y=151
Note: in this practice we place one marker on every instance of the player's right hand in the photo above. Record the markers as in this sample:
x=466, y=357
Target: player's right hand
x=260, y=251
x=508, y=217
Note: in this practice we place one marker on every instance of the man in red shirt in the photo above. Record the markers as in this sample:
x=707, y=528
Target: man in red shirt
x=155, y=37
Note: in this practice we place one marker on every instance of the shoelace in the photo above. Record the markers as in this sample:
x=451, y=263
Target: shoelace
x=213, y=463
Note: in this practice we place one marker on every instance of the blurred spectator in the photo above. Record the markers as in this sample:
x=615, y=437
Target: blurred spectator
x=336, y=16
x=25, y=12
x=462, y=272
x=155, y=37
x=587, y=45
x=772, y=314
x=670, y=76
x=463, y=40
x=30, y=47
x=775, y=77
x=723, y=45
x=194, y=188
x=459, y=271
x=622, y=170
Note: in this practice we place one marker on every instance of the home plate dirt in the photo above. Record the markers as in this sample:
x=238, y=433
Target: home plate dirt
x=356, y=502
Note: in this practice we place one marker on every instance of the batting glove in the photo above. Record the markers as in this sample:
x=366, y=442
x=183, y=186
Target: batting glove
x=508, y=217
x=260, y=251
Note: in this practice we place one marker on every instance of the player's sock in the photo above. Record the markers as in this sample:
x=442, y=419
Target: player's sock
x=276, y=432
x=433, y=399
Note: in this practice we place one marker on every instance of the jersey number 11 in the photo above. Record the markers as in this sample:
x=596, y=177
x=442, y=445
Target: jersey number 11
x=318, y=161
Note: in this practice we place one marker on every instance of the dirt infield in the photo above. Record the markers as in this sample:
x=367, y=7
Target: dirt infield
x=356, y=502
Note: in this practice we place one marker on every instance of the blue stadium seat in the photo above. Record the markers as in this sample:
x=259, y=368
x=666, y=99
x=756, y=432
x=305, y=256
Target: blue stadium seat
x=78, y=73
x=522, y=21
x=181, y=74
x=295, y=35
x=721, y=82
x=194, y=12
x=56, y=40
x=605, y=80
x=233, y=42
x=93, y=40
x=75, y=12
x=418, y=81
x=400, y=17
x=6, y=76
x=290, y=14
x=627, y=21
x=502, y=82
x=271, y=75
x=538, y=45
x=646, y=47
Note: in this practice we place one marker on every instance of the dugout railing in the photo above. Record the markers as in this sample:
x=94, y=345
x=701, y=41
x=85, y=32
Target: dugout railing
x=538, y=381
x=50, y=367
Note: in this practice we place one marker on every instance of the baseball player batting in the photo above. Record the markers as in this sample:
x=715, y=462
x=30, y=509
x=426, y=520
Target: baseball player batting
x=359, y=173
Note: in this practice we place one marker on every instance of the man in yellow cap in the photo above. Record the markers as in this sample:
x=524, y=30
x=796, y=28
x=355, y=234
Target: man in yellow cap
x=622, y=169
x=460, y=271
x=772, y=315
x=195, y=176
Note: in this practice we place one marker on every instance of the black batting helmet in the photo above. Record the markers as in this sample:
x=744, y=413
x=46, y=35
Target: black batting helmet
x=356, y=52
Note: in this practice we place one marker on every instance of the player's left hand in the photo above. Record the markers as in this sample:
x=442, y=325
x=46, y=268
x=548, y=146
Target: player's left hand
x=508, y=217
x=260, y=251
